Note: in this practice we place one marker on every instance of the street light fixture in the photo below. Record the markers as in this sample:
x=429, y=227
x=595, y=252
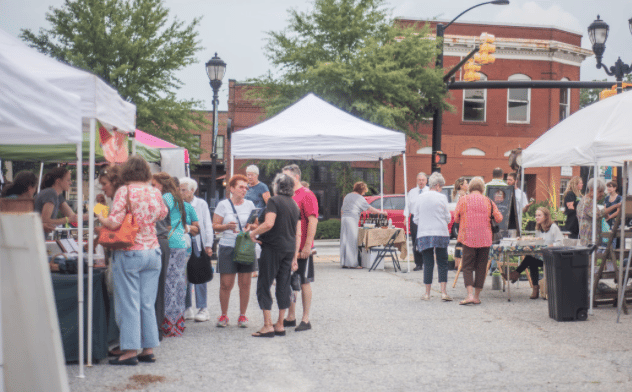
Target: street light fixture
x=598, y=34
x=437, y=116
x=215, y=69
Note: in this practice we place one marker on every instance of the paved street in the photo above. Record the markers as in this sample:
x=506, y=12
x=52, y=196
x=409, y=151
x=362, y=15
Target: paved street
x=371, y=332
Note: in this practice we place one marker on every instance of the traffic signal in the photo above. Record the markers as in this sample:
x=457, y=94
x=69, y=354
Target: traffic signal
x=471, y=71
x=440, y=158
x=484, y=55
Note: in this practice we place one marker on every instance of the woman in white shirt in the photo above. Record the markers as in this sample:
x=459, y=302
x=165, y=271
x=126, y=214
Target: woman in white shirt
x=550, y=232
x=432, y=217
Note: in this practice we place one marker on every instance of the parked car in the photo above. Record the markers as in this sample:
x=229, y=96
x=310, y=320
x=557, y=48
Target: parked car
x=394, y=207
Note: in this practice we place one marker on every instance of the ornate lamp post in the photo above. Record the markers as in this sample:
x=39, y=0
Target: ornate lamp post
x=215, y=69
x=598, y=34
x=437, y=117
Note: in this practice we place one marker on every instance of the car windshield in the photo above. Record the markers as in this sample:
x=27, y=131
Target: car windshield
x=390, y=203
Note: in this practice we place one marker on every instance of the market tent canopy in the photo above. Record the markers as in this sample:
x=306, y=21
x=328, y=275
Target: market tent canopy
x=50, y=152
x=313, y=129
x=98, y=99
x=600, y=133
x=33, y=111
x=148, y=146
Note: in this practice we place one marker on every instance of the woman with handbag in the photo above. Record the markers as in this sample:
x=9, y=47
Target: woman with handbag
x=280, y=246
x=473, y=213
x=182, y=216
x=231, y=217
x=136, y=267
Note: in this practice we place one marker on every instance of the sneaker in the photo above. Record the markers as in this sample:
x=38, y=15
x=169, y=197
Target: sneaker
x=189, y=314
x=445, y=297
x=425, y=297
x=222, y=321
x=242, y=322
x=202, y=315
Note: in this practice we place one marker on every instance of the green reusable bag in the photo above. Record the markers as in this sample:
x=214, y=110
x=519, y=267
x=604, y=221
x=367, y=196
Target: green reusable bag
x=244, y=252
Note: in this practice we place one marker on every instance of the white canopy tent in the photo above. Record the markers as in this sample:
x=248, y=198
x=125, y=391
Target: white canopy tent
x=34, y=111
x=98, y=101
x=313, y=129
x=598, y=135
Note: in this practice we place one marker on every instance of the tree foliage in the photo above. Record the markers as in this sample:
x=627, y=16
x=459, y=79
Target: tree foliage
x=351, y=53
x=588, y=96
x=133, y=46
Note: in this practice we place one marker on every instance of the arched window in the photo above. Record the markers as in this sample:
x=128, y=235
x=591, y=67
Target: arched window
x=474, y=103
x=565, y=102
x=476, y=152
x=518, y=102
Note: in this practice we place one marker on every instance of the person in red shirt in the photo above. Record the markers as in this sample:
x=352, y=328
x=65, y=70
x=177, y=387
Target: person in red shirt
x=308, y=205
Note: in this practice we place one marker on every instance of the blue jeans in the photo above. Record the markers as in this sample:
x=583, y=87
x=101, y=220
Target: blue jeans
x=200, y=296
x=136, y=274
x=442, y=264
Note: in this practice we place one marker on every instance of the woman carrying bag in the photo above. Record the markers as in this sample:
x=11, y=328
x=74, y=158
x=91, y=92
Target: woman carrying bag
x=231, y=217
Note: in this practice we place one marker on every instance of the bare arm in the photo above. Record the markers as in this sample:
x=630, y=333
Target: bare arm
x=298, y=246
x=218, y=226
x=375, y=211
x=47, y=220
x=265, y=196
x=267, y=224
x=312, y=222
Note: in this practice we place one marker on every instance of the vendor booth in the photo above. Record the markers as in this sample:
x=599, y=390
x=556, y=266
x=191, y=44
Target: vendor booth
x=98, y=102
x=313, y=129
x=598, y=135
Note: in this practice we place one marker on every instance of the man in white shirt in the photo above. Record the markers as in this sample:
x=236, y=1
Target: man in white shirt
x=421, y=187
x=188, y=187
x=522, y=203
x=497, y=179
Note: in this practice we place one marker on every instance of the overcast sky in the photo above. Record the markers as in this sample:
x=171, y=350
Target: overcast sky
x=236, y=29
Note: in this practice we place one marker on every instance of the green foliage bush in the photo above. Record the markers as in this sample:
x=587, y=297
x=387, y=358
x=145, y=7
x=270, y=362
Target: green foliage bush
x=328, y=230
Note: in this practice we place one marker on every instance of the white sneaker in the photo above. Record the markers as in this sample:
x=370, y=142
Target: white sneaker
x=202, y=315
x=189, y=314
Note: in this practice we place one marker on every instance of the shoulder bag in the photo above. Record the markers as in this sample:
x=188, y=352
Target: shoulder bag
x=496, y=236
x=199, y=268
x=244, y=252
x=125, y=235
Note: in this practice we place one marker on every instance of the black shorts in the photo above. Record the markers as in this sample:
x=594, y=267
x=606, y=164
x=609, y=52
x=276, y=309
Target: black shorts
x=226, y=265
x=306, y=269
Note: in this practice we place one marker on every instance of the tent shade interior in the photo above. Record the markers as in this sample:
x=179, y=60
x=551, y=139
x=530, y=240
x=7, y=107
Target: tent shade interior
x=50, y=152
x=313, y=129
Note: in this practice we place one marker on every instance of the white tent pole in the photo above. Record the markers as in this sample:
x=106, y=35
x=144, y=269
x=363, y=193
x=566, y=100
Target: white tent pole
x=232, y=165
x=624, y=192
x=133, y=136
x=594, y=240
x=39, y=183
x=91, y=196
x=1, y=345
x=382, y=184
x=523, y=195
x=406, y=217
x=80, y=261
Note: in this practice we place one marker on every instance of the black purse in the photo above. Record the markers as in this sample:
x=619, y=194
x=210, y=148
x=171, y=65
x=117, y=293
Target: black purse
x=295, y=281
x=199, y=268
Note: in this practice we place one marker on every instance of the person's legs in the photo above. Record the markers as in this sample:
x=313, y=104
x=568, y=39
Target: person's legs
x=306, y=296
x=481, y=259
x=469, y=256
x=442, y=264
x=419, y=262
x=226, y=283
x=265, y=278
x=306, y=271
x=243, y=281
x=160, y=294
x=127, y=297
x=428, y=261
x=148, y=289
x=201, y=295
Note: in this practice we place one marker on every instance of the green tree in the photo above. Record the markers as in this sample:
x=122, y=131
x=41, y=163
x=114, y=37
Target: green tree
x=133, y=46
x=352, y=54
x=588, y=96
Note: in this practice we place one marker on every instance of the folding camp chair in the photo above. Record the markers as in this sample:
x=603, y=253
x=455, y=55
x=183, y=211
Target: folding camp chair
x=388, y=249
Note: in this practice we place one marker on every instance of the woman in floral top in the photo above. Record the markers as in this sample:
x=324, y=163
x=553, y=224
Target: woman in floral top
x=473, y=213
x=137, y=268
x=585, y=211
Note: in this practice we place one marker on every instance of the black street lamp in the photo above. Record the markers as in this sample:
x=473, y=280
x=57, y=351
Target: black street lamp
x=598, y=34
x=215, y=69
x=437, y=116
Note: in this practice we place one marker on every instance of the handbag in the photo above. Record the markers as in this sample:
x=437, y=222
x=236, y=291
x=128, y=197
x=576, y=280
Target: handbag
x=125, y=235
x=244, y=252
x=199, y=267
x=496, y=236
x=295, y=281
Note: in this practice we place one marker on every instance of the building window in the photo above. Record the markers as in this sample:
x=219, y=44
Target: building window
x=518, y=108
x=563, y=186
x=565, y=100
x=474, y=104
x=476, y=152
x=220, y=147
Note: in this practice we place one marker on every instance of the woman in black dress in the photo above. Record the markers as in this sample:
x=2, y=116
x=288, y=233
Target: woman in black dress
x=572, y=196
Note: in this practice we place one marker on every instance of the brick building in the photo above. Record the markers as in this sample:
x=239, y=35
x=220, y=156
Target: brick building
x=485, y=125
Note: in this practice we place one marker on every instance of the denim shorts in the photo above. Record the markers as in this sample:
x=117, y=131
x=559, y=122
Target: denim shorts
x=226, y=265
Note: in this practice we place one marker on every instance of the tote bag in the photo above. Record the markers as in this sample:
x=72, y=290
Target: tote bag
x=244, y=252
x=125, y=235
x=199, y=268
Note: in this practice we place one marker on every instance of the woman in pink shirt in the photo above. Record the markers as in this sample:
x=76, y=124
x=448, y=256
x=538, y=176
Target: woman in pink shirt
x=473, y=214
x=137, y=268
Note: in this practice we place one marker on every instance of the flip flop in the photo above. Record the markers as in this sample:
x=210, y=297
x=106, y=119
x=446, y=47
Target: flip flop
x=263, y=335
x=359, y=267
x=147, y=358
x=279, y=333
x=476, y=303
x=467, y=302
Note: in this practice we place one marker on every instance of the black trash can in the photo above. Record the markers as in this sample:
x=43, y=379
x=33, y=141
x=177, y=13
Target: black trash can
x=567, y=282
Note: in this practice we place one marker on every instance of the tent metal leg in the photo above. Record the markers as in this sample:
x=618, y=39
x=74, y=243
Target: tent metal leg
x=594, y=240
x=622, y=282
x=91, y=196
x=381, y=184
x=80, y=264
x=406, y=217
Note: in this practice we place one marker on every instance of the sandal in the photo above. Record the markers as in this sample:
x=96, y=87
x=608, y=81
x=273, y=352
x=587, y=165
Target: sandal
x=467, y=302
x=259, y=334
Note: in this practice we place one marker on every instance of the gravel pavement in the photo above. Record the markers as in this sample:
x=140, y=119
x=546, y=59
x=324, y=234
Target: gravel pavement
x=371, y=332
